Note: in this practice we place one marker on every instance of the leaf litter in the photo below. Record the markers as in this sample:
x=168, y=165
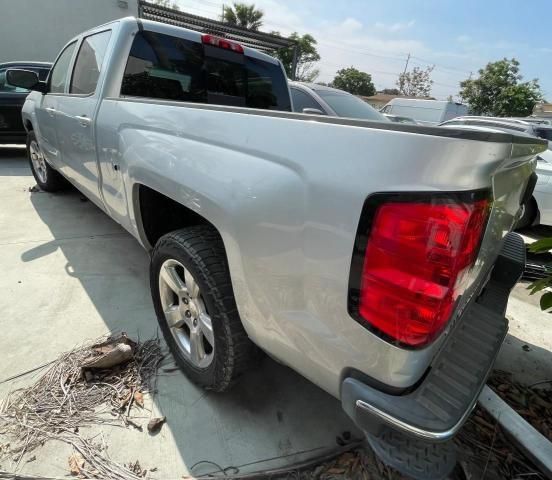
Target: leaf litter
x=99, y=382
x=94, y=384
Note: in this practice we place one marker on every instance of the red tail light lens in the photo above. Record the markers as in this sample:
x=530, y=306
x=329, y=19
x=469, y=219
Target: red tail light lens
x=416, y=256
x=221, y=43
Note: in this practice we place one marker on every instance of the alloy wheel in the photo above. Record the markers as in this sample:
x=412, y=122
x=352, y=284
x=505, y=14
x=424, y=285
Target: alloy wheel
x=39, y=163
x=186, y=314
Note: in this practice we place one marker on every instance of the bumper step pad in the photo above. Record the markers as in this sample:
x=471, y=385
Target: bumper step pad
x=416, y=458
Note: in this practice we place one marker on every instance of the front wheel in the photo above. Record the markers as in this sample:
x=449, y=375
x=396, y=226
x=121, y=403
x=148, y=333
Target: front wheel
x=195, y=306
x=46, y=177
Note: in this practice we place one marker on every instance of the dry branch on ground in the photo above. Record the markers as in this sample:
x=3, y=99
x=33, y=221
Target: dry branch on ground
x=94, y=384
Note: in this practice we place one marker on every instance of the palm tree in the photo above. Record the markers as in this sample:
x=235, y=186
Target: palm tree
x=243, y=15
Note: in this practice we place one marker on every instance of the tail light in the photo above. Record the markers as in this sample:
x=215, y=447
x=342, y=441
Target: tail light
x=221, y=43
x=417, y=254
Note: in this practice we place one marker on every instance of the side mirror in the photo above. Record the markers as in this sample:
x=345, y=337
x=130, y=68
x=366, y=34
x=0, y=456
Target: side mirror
x=25, y=79
x=313, y=111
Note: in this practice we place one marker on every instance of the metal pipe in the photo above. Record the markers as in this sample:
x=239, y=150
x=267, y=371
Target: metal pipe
x=535, y=445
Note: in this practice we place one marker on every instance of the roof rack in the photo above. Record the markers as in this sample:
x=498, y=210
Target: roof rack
x=265, y=42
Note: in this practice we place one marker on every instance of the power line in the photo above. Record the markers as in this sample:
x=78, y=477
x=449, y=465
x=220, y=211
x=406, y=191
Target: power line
x=442, y=67
x=406, y=64
x=342, y=47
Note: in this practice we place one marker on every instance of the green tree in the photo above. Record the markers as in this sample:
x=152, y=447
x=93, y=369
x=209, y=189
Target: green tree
x=500, y=92
x=354, y=81
x=243, y=15
x=544, y=245
x=307, y=56
x=416, y=83
x=391, y=91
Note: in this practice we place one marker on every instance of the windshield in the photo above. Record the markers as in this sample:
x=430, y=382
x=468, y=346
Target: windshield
x=347, y=105
x=545, y=133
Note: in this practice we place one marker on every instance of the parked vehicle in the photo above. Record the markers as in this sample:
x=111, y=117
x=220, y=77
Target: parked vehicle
x=538, y=207
x=425, y=112
x=321, y=100
x=398, y=119
x=371, y=257
x=537, y=120
x=12, y=99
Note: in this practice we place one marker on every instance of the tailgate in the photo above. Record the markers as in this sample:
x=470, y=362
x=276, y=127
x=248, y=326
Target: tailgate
x=511, y=183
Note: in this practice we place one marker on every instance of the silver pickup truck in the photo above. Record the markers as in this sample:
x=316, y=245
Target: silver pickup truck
x=374, y=258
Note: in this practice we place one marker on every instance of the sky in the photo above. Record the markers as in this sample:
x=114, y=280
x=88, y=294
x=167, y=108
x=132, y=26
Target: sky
x=458, y=37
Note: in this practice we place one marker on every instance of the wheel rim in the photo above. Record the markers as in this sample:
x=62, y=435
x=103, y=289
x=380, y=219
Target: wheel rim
x=186, y=314
x=39, y=164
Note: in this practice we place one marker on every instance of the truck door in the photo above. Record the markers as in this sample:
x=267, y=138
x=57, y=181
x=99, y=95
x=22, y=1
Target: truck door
x=76, y=113
x=46, y=108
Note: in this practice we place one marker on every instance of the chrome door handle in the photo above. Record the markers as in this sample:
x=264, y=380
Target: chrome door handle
x=51, y=111
x=83, y=120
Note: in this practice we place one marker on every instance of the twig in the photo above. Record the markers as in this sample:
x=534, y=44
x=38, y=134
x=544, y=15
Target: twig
x=61, y=401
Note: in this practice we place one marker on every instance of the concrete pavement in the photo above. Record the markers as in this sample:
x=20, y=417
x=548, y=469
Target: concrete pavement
x=70, y=274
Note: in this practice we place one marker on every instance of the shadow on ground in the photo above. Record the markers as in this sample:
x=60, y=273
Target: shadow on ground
x=91, y=275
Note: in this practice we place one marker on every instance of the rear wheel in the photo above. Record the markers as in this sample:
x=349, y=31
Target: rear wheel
x=46, y=177
x=195, y=306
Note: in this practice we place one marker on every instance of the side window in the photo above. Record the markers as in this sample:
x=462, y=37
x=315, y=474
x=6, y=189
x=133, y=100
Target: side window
x=386, y=109
x=303, y=100
x=89, y=63
x=58, y=77
x=162, y=66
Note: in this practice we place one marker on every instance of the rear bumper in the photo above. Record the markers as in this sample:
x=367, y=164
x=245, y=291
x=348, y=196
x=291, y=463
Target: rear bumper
x=436, y=409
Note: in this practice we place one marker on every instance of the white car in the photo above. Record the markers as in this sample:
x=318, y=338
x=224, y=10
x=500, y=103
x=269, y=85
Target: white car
x=425, y=112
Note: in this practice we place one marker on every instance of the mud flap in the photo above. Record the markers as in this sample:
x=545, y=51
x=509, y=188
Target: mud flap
x=416, y=458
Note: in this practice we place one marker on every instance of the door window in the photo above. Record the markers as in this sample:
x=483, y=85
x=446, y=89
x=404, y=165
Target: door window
x=59, y=75
x=303, y=100
x=89, y=63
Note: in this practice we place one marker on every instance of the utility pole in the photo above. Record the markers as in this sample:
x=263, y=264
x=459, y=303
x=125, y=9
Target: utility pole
x=406, y=64
x=222, y=14
x=294, y=63
x=399, y=83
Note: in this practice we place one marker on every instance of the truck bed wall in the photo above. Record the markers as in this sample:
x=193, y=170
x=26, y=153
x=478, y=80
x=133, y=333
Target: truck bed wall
x=286, y=194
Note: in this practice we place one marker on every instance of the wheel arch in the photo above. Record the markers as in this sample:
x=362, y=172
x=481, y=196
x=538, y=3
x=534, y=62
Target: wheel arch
x=156, y=214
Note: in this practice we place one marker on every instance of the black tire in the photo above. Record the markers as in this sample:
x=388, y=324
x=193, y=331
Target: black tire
x=47, y=179
x=529, y=215
x=201, y=251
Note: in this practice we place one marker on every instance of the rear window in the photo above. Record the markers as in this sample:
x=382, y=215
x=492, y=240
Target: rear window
x=172, y=68
x=347, y=105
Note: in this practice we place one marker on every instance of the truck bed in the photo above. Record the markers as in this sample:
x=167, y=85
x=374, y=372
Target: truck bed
x=286, y=191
